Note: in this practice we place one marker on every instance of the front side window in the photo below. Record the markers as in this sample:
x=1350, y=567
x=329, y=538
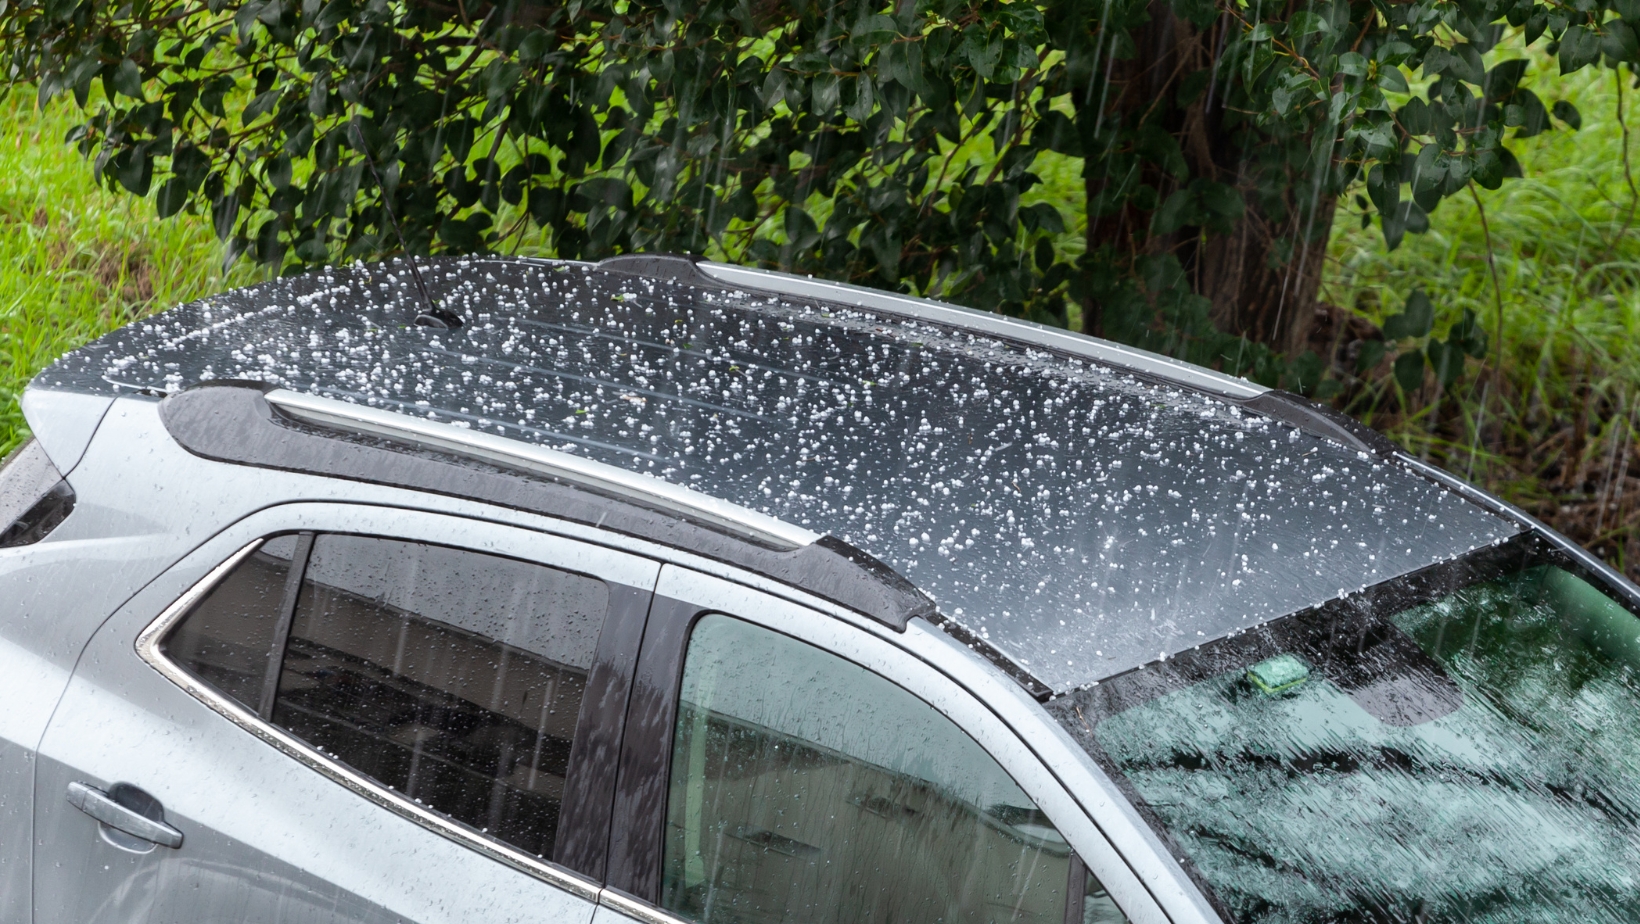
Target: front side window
x=451, y=677
x=805, y=788
x=1459, y=746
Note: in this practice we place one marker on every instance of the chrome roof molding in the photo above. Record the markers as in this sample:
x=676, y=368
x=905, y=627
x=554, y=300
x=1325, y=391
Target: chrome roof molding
x=1102, y=351
x=639, y=488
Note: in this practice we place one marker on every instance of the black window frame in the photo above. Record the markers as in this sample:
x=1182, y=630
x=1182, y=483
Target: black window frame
x=582, y=844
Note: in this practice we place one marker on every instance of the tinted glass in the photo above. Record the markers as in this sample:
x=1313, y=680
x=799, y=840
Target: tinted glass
x=228, y=638
x=805, y=788
x=1081, y=520
x=1470, y=756
x=451, y=677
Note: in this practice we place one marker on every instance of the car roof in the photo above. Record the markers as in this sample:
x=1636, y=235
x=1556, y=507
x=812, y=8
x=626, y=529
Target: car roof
x=1081, y=512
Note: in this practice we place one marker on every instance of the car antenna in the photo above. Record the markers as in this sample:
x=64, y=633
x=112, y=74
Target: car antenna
x=358, y=138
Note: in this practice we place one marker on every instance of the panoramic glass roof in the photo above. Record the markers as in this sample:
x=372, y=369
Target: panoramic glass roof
x=1083, y=521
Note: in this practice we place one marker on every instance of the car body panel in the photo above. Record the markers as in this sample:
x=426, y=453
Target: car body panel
x=266, y=836
x=64, y=421
x=146, y=503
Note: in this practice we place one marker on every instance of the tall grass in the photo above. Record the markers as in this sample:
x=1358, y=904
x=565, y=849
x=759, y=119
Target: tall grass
x=77, y=261
x=1548, y=418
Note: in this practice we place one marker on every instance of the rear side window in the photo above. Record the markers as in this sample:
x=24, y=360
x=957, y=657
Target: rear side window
x=451, y=677
x=806, y=788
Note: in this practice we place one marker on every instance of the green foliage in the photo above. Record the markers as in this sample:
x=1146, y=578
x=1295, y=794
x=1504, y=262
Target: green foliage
x=77, y=261
x=823, y=139
x=1549, y=418
x=832, y=138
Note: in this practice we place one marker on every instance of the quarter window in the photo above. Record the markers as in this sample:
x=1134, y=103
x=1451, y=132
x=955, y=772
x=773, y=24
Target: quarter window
x=805, y=788
x=451, y=677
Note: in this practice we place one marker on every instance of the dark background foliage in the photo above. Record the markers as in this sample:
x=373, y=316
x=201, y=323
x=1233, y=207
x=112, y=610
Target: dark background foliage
x=839, y=139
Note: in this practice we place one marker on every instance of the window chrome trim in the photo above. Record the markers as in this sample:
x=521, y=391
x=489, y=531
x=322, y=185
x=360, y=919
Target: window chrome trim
x=643, y=489
x=621, y=903
x=147, y=645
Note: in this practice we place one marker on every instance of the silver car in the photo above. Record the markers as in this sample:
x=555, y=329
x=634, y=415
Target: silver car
x=659, y=590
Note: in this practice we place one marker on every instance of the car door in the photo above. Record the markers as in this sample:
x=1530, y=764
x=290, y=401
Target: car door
x=784, y=765
x=343, y=713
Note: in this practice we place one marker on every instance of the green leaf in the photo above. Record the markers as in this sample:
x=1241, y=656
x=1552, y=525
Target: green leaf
x=1384, y=189
x=825, y=92
x=134, y=169
x=801, y=231
x=1391, y=80
x=127, y=80
x=258, y=107
x=1307, y=23
x=1436, y=61
x=1566, y=112
x=224, y=212
x=1415, y=117
x=1415, y=320
x=1466, y=64
x=1535, y=26
x=1352, y=64
x=1372, y=353
x=983, y=50
x=1468, y=335
x=1223, y=201
x=1618, y=43
x=1413, y=217
x=1530, y=115
x=1502, y=80
x=1042, y=217
x=864, y=98
x=1446, y=360
x=1488, y=169
x=1578, y=48
x=278, y=171
x=1409, y=370
x=875, y=29
x=172, y=196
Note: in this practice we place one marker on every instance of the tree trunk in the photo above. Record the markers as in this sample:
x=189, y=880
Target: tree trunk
x=1262, y=278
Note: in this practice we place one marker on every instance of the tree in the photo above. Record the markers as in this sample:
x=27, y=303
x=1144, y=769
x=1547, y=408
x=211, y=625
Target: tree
x=884, y=143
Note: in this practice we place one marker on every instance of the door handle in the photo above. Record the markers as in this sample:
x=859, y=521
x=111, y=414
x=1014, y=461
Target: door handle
x=127, y=809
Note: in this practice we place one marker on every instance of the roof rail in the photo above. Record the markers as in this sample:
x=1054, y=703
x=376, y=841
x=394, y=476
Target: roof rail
x=234, y=421
x=608, y=479
x=1131, y=359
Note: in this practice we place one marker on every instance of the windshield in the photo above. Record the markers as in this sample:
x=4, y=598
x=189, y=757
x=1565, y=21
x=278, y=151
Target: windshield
x=1460, y=745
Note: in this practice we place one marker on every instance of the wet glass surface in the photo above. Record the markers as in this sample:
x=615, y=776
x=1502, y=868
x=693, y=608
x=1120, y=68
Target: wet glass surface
x=1080, y=519
x=228, y=638
x=805, y=788
x=1464, y=752
x=452, y=677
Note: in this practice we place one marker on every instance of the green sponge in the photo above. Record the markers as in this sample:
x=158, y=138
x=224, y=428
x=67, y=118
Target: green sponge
x=1278, y=674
